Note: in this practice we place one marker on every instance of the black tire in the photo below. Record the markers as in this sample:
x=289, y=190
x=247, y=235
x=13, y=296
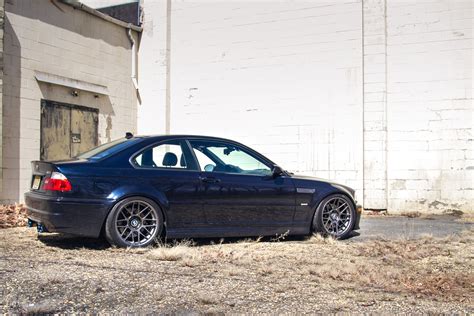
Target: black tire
x=327, y=217
x=134, y=222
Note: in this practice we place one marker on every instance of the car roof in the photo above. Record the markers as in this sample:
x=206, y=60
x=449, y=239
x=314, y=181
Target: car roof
x=157, y=138
x=185, y=136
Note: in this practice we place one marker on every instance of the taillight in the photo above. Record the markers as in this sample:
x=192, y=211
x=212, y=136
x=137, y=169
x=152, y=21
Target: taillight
x=57, y=182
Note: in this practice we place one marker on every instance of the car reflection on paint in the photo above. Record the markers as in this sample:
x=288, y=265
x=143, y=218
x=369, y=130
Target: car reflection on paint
x=136, y=189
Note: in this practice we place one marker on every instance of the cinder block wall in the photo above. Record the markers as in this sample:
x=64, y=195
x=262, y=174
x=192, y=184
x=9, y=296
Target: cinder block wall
x=375, y=94
x=430, y=106
x=2, y=26
x=282, y=77
x=55, y=38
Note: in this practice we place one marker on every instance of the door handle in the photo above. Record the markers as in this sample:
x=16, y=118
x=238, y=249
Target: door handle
x=209, y=179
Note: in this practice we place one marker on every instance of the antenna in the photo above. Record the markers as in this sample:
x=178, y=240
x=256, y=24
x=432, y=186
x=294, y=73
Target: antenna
x=128, y=135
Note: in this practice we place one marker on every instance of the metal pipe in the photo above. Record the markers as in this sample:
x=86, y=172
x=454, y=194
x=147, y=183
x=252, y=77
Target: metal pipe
x=134, y=56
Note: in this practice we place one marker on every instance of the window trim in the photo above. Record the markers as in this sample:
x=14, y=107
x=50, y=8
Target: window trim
x=244, y=148
x=191, y=165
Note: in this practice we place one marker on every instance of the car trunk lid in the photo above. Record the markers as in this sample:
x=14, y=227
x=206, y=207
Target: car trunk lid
x=40, y=171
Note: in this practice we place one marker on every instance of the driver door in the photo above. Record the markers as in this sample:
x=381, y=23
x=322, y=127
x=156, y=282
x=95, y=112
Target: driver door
x=239, y=194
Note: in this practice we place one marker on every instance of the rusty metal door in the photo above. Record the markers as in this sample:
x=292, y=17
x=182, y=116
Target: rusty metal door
x=67, y=130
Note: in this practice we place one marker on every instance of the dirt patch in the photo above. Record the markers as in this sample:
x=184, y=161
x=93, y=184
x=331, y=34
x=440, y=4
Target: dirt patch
x=411, y=214
x=466, y=218
x=12, y=216
x=300, y=275
x=367, y=212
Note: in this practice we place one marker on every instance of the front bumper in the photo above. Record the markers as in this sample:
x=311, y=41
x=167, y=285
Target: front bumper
x=358, y=216
x=67, y=215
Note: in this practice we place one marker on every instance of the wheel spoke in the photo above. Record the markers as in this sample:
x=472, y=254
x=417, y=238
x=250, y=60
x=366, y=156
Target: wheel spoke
x=145, y=228
x=123, y=231
x=147, y=214
x=143, y=210
x=131, y=233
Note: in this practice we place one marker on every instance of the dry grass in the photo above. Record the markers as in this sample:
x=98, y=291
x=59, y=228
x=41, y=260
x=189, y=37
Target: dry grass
x=467, y=218
x=246, y=276
x=172, y=252
x=13, y=215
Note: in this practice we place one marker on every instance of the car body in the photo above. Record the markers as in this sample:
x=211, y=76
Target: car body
x=188, y=182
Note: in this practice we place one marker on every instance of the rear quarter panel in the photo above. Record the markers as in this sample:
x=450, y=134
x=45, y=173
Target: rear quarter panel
x=170, y=189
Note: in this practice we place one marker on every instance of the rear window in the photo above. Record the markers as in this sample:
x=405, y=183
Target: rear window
x=108, y=149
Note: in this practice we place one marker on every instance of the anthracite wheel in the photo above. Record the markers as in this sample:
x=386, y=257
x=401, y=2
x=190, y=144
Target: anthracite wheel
x=335, y=216
x=134, y=222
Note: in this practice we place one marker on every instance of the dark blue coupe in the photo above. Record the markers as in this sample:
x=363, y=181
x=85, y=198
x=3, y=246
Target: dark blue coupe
x=136, y=189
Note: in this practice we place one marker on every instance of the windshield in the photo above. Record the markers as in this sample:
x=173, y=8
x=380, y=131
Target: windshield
x=108, y=149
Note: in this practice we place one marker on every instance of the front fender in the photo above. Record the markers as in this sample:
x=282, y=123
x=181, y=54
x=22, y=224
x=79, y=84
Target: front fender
x=334, y=188
x=330, y=189
x=310, y=193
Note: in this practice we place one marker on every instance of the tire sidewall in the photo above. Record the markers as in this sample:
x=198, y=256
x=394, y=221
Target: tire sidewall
x=111, y=233
x=318, y=226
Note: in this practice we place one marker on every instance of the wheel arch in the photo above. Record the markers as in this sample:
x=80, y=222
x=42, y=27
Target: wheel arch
x=322, y=197
x=122, y=194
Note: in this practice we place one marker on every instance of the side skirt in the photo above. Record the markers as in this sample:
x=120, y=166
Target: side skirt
x=231, y=231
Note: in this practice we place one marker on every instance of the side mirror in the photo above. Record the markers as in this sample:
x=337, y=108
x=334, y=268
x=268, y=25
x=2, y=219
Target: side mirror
x=277, y=171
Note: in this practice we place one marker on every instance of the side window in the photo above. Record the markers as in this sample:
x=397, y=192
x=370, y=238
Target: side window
x=222, y=157
x=165, y=155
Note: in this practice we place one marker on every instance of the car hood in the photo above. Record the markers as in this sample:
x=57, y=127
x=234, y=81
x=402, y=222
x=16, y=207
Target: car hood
x=308, y=179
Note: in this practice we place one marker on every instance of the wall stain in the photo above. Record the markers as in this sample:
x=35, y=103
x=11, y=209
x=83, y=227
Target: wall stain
x=108, y=128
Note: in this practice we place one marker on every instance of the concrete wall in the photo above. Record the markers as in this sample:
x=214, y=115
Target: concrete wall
x=2, y=26
x=55, y=38
x=375, y=194
x=375, y=94
x=284, y=78
x=430, y=106
x=152, y=69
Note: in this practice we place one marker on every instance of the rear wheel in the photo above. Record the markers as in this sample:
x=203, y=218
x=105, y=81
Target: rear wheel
x=335, y=216
x=134, y=222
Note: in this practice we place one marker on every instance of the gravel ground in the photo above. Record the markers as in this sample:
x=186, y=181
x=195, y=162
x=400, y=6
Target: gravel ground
x=393, y=227
x=413, y=273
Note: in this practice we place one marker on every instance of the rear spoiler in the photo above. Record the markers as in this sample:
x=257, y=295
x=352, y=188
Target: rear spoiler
x=42, y=167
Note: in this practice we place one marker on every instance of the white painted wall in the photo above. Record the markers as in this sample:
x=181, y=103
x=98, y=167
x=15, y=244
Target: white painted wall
x=283, y=77
x=63, y=41
x=374, y=94
x=152, y=69
x=430, y=106
x=375, y=194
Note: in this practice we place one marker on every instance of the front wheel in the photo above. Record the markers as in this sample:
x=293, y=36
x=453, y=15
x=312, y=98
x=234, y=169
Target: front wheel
x=335, y=216
x=134, y=222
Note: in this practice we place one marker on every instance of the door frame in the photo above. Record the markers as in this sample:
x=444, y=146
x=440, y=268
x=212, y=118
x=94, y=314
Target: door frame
x=51, y=103
x=242, y=228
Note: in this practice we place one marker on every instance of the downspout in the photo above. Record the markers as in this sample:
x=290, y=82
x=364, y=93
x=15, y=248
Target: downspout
x=134, y=57
x=168, y=69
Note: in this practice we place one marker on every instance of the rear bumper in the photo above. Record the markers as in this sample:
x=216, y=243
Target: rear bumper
x=66, y=215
